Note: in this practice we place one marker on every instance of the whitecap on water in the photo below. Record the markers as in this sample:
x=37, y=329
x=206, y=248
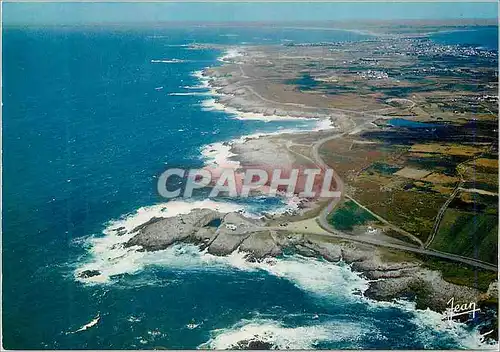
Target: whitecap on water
x=90, y=324
x=168, y=61
x=272, y=334
x=108, y=255
x=431, y=325
x=189, y=94
x=314, y=275
x=324, y=279
x=220, y=152
x=231, y=54
x=213, y=105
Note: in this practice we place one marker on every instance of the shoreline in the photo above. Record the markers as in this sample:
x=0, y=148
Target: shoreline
x=373, y=291
x=228, y=96
x=359, y=257
x=260, y=147
x=159, y=232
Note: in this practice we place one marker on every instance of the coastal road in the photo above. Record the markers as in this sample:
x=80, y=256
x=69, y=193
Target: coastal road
x=330, y=232
x=393, y=227
x=303, y=106
x=322, y=219
x=322, y=165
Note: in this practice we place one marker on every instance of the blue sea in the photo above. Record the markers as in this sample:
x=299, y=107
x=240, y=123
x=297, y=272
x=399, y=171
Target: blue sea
x=483, y=37
x=89, y=122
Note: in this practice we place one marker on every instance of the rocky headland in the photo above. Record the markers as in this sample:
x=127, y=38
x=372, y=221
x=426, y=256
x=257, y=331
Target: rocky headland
x=391, y=276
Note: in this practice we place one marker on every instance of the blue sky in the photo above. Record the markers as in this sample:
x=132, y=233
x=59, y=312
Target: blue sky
x=83, y=13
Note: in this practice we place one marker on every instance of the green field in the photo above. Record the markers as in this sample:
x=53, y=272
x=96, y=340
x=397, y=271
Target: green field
x=468, y=234
x=382, y=168
x=348, y=215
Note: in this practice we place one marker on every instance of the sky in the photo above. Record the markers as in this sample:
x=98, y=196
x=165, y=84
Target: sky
x=101, y=13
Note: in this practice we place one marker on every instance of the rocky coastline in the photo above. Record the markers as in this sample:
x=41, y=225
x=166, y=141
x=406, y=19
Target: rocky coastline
x=391, y=275
x=221, y=234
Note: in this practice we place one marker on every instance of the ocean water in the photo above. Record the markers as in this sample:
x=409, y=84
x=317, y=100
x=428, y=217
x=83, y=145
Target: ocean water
x=89, y=122
x=485, y=37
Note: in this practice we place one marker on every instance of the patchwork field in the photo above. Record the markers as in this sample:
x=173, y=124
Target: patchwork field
x=419, y=129
x=408, y=183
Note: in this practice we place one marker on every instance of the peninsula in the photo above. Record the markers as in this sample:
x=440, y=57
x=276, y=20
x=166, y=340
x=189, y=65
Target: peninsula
x=412, y=137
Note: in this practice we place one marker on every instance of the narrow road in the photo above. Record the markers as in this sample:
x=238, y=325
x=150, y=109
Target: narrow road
x=394, y=227
x=439, y=216
x=303, y=106
x=322, y=219
x=323, y=216
x=322, y=165
x=457, y=189
x=330, y=232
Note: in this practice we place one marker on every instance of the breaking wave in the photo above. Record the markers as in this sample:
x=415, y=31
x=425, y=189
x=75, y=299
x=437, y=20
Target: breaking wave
x=168, y=61
x=271, y=334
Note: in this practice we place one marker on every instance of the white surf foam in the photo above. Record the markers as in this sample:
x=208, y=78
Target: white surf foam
x=90, y=324
x=197, y=87
x=219, y=154
x=189, y=93
x=292, y=206
x=108, y=254
x=306, y=337
x=204, y=81
x=168, y=61
x=429, y=322
x=426, y=320
x=231, y=54
x=316, y=276
x=213, y=105
x=281, y=337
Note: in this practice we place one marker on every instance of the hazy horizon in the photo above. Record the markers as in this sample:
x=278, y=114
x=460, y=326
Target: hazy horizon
x=150, y=13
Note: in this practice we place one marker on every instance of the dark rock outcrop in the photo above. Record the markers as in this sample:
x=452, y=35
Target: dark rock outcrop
x=260, y=245
x=253, y=344
x=234, y=232
x=159, y=233
x=89, y=273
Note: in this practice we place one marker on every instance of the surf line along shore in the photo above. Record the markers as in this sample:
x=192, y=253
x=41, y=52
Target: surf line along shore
x=237, y=97
x=222, y=233
x=240, y=85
